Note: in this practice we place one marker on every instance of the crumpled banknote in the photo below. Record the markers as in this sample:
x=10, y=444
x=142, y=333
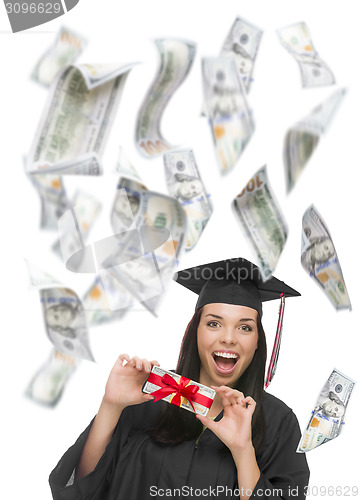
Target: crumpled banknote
x=320, y=260
x=314, y=71
x=262, y=221
x=176, y=59
x=230, y=118
x=185, y=184
x=302, y=138
x=328, y=417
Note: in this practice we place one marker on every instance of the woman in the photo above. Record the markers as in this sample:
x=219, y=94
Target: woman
x=136, y=450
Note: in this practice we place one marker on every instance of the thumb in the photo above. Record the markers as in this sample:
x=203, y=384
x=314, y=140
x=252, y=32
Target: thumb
x=208, y=422
x=147, y=397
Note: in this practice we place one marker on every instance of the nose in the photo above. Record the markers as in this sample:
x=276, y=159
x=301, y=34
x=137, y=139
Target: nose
x=227, y=336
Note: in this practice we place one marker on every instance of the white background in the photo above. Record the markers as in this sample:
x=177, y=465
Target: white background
x=315, y=337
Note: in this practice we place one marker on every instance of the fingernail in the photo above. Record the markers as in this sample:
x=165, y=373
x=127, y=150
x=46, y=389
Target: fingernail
x=139, y=366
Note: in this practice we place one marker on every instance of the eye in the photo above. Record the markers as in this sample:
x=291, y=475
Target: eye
x=213, y=324
x=245, y=328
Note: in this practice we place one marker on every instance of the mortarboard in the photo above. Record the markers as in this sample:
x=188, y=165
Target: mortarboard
x=237, y=281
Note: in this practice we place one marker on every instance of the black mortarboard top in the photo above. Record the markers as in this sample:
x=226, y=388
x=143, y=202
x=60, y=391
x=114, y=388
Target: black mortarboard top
x=232, y=281
x=238, y=281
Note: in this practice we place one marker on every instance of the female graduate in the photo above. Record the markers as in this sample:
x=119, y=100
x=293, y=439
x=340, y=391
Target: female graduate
x=245, y=447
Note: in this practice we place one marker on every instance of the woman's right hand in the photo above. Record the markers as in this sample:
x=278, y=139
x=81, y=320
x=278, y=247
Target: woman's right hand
x=125, y=381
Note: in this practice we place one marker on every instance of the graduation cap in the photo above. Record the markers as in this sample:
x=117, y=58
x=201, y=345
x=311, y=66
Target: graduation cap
x=238, y=281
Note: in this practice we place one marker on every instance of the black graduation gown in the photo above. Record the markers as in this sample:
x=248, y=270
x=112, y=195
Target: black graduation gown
x=134, y=467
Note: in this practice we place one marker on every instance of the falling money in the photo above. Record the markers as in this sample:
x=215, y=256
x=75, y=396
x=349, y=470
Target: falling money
x=242, y=43
x=185, y=184
x=260, y=216
x=66, y=49
x=147, y=256
x=64, y=315
x=314, y=72
x=230, y=119
x=320, y=260
x=328, y=417
x=86, y=209
x=76, y=121
x=302, y=139
x=48, y=383
x=176, y=58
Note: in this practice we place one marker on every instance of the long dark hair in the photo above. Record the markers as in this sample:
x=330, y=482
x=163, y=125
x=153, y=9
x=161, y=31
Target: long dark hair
x=174, y=426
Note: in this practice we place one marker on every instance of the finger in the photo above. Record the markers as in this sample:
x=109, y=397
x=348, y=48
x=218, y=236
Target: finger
x=228, y=395
x=122, y=358
x=250, y=404
x=249, y=401
x=146, y=365
x=131, y=362
x=138, y=363
x=220, y=388
x=154, y=362
x=208, y=422
x=235, y=393
x=148, y=397
x=234, y=396
x=225, y=400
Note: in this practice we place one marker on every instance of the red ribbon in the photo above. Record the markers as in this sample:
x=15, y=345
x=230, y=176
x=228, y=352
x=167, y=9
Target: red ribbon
x=168, y=385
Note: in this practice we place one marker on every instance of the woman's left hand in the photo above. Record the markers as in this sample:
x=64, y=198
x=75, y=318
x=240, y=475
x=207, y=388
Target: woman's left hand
x=234, y=429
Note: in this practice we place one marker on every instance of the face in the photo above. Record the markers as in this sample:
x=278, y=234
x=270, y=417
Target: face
x=189, y=189
x=60, y=315
x=227, y=339
x=322, y=251
x=333, y=409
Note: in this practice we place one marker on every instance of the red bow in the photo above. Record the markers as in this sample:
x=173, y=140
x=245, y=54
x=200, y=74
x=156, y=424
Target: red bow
x=170, y=386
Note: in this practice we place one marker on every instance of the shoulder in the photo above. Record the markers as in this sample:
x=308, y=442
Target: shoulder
x=274, y=407
x=279, y=418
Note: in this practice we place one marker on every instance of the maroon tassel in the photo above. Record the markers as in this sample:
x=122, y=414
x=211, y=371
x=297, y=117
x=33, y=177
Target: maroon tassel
x=277, y=341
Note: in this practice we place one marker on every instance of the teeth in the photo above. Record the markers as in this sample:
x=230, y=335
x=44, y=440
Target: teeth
x=225, y=354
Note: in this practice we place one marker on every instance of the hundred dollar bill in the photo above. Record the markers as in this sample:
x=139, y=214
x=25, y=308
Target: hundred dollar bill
x=262, y=220
x=64, y=315
x=125, y=168
x=230, y=119
x=85, y=210
x=155, y=382
x=74, y=226
x=302, y=139
x=314, y=72
x=66, y=49
x=242, y=43
x=185, y=184
x=65, y=322
x=77, y=119
x=126, y=204
x=320, y=260
x=106, y=300
x=176, y=58
x=328, y=417
x=47, y=385
x=144, y=259
x=53, y=198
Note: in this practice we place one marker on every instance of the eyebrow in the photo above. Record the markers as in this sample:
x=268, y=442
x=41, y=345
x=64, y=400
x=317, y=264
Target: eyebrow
x=220, y=317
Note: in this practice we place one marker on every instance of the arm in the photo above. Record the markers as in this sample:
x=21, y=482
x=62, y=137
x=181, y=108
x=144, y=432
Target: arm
x=279, y=472
x=234, y=430
x=123, y=389
x=99, y=437
x=95, y=453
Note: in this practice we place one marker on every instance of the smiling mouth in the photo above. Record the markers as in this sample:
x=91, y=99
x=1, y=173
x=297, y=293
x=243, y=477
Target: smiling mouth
x=225, y=362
